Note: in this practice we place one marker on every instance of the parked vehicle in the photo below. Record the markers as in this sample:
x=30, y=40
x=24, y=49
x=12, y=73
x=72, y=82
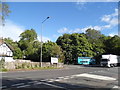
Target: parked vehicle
x=109, y=60
x=86, y=60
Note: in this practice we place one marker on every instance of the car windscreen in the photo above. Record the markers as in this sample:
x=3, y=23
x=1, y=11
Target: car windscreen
x=104, y=60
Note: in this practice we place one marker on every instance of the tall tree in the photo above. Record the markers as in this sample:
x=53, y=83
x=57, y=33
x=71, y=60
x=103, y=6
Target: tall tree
x=74, y=45
x=95, y=38
x=28, y=43
x=26, y=38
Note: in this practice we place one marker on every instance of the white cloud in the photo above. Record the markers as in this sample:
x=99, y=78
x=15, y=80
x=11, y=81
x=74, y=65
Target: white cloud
x=106, y=18
x=11, y=30
x=78, y=30
x=112, y=34
x=107, y=26
x=63, y=30
x=44, y=39
x=111, y=19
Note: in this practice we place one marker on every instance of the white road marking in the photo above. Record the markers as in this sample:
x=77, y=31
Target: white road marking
x=37, y=83
x=44, y=80
x=3, y=86
x=52, y=85
x=66, y=78
x=57, y=80
x=94, y=76
x=60, y=77
x=23, y=86
x=72, y=77
x=116, y=87
x=33, y=82
x=17, y=84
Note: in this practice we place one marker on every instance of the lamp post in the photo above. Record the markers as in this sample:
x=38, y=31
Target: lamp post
x=41, y=41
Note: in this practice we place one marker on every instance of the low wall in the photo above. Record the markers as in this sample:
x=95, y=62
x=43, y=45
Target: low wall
x=7, y=59
x=19, y=64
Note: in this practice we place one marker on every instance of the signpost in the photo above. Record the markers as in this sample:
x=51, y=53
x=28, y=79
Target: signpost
x=54, y=60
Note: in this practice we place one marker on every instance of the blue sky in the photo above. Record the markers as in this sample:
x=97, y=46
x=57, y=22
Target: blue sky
x=65, y=17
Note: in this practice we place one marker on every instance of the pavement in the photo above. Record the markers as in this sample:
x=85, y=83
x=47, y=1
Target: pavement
x=69, y=78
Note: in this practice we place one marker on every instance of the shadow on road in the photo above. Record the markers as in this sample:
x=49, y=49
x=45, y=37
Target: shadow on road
x=38, y=84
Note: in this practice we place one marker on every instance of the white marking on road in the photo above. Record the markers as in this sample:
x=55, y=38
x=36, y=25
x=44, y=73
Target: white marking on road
x=44, y=80
x=53, y=85
x=60, y=77
x=23, y=86
x=33, y=82
x=116, y=87
x=3, y=86
x=57, y=80
x=66, y=78
x=38, y=83
x=72, y=77
x=95, y=76
x=17, y=84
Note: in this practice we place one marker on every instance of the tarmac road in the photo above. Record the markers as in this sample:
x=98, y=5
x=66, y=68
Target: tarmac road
x=72, y=76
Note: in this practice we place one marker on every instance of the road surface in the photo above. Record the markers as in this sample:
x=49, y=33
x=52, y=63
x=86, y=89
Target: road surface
x=72, y=76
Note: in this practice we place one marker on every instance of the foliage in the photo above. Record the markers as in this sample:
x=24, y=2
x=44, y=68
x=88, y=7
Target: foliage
x=67, y=48
x=4, y=11
x=29, y=45
x=95, y=38
x=113, y=45
x=17, y=53
x=51, y=49
x=2, y=63
x=74, y=45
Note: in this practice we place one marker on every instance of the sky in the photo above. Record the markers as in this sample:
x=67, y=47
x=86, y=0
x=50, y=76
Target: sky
x=65, y=17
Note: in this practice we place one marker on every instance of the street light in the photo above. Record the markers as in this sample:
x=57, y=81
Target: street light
x=41, y=42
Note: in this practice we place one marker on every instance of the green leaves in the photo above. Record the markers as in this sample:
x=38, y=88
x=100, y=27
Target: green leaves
x=67, y=48
x=90, y=44
x=51, y=49
x=17, y=53
x=74, y=46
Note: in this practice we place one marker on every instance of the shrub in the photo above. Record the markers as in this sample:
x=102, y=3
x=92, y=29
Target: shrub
x=2, y=63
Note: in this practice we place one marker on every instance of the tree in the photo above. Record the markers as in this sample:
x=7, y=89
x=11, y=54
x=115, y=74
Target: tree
x=51, y=49
x=95, y=38
x=29, y=44
x=113, y=45
x=4, y=10
x=74, y=45
x=26, y=38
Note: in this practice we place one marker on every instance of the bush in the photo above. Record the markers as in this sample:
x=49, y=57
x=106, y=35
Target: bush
x=2, y=63
x=60, y=61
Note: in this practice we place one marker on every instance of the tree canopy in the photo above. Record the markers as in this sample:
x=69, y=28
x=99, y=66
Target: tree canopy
x=67, y=47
